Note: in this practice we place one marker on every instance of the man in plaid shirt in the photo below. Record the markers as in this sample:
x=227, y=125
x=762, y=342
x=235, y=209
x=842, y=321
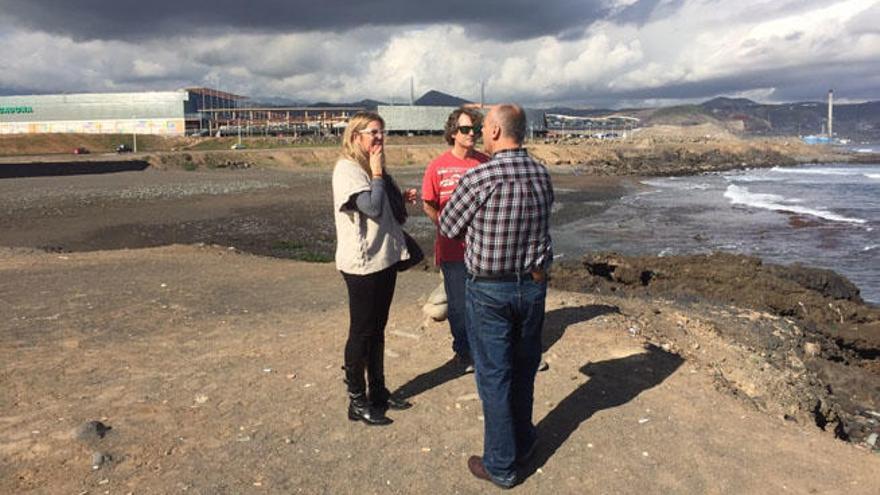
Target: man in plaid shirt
x=503, y=209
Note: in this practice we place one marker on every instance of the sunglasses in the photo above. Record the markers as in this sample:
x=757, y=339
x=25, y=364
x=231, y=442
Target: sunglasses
x=372, y=132
x=466, y=129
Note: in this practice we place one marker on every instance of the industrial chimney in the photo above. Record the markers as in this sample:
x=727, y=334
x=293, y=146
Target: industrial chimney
x=830, y=114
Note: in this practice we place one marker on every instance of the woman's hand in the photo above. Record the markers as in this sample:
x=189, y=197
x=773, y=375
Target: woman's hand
x=377, y=160
x=411, y=195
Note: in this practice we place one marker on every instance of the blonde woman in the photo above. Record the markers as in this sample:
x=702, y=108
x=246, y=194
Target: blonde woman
x=370, y=243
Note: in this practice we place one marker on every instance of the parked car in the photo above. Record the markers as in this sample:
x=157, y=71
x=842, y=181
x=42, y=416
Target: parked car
x=123, y=148
x=79, y=150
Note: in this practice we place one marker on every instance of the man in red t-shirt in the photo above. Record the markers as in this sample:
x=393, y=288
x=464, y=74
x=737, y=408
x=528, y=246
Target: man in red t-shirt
x=441, y=177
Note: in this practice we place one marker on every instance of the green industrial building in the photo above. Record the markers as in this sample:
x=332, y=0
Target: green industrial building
x=170, y=113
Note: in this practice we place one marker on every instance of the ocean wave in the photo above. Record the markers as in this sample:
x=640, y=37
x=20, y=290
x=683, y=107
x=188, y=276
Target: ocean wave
x=816, y=171
x=774, y=202
x=752, y=178
x=680, y=186
x=873, y=176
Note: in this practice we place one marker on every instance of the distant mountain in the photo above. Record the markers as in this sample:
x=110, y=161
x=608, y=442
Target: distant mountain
x=854, y=120
x=678, y=115
x=366, y=104
x=580, y=112
x=275, y=101
x=725, y=103
x=437, y=99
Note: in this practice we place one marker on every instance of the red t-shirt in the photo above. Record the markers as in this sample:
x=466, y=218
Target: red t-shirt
x=441, y=177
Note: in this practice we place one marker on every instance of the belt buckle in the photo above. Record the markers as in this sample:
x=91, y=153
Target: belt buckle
x=539, y=275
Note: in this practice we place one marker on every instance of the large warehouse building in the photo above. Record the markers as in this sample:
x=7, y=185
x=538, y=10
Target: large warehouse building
x=161, y=112
x=432, y=119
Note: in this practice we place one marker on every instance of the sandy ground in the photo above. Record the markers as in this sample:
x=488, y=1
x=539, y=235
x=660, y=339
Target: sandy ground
x=218, y=371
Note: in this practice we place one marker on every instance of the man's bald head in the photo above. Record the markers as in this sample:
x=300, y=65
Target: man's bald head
x=512, y=120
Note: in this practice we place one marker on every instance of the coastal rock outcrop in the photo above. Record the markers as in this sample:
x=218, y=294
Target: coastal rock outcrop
x=814, y=343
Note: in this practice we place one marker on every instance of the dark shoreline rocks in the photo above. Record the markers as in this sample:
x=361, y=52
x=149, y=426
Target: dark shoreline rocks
x=814, y=329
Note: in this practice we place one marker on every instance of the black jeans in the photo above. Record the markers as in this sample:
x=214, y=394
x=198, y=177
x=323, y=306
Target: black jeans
x=369, y=299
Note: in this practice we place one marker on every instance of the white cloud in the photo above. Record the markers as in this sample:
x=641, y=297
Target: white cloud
x=754, y=45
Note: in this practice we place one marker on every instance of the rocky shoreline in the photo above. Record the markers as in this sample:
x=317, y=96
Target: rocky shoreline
x=809, y=347
x=652, y=151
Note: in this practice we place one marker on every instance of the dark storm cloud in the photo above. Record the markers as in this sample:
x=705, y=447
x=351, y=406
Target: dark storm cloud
x=140, y=19
x=855, y=82
x=639, y=12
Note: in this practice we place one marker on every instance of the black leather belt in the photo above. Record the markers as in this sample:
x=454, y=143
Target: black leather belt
x=506, y=277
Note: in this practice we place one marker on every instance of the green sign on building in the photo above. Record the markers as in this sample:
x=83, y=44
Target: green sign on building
x=16, y=109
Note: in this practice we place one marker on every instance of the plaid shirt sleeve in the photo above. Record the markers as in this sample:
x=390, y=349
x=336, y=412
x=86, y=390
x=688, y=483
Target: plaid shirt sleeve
x=460, y=209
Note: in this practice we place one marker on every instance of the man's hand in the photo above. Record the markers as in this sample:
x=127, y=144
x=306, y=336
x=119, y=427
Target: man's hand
x=430, y=209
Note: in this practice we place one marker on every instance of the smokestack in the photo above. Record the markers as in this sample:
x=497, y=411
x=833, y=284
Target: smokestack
x=412, y=91
x=830, y=113
x=482, y=93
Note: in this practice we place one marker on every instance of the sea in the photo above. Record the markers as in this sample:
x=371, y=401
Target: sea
x=821, y=215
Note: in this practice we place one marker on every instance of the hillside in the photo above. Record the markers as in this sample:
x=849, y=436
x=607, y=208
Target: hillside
x=855, y=121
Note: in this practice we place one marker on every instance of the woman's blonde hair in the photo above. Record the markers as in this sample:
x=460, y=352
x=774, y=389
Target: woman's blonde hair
x=357, y=123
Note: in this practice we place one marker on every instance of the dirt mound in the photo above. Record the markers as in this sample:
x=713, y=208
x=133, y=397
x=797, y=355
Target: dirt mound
x=287, y=158
x=819, y=335
x=43, y=144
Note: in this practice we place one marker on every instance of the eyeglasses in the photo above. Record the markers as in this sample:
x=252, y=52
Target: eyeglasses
x=372, y=132
x=466, y=129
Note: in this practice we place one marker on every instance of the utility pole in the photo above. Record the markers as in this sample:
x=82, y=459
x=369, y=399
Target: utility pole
x=412, y=91
x=830, y=114
x=134, y=136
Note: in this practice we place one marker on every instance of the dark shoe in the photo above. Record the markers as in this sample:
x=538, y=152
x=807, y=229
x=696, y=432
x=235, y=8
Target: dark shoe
x=475, y=465
x=398, y=404
x=360, y=410
x=384, y=400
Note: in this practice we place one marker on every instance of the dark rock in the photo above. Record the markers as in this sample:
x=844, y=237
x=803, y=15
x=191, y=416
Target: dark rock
x=92, y=430
x=826, y=282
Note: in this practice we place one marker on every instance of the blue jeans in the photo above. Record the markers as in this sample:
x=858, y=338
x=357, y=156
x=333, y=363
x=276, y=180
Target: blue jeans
x=505, y=320
x=454, y=274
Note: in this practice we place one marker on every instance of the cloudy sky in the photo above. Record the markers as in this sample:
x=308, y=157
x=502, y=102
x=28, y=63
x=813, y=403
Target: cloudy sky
x=574, y=52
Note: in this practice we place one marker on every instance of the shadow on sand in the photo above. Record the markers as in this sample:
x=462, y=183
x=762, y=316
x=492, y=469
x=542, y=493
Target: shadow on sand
x=555, y=324
x=558, y=320
x=612, y=383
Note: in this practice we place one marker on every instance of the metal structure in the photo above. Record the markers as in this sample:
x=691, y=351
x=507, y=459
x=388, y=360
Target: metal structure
x=610, y=126
x=276, y=120
x=206, y=108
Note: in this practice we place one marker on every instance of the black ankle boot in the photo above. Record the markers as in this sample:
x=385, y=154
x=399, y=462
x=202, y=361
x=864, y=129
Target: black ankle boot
x=361, y=410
